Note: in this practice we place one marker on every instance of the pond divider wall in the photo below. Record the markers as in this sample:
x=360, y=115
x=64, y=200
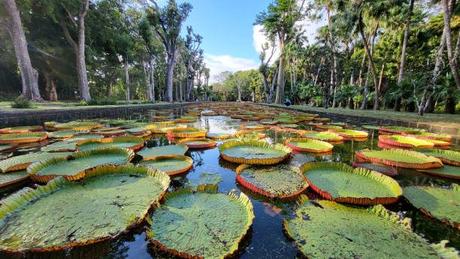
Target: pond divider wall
x=39, y=116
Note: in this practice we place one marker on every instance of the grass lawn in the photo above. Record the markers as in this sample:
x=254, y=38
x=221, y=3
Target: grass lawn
x=61, y=105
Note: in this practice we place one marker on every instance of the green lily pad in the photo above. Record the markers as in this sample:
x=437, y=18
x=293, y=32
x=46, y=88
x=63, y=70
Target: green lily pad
x=436, y=202
x=83, y=137
x=279, y=181
x=405, y=141
x=21, y=162
x=309, y=145
x=253, y=152
x=325, y=229
x=7, y=179
x=400, y=130
x=169, y=165
x=5, y=147
x=77, y=125
x=65, y=214
x=446, y=171
x=324, y=136
x=399, y=158
x=449, y=157
x=21, y=138
x=149, y=153
x=131, y=142
x=61, y=146
x=63, y=134
x=343, y=183
x=200, y=224
x=74, y=167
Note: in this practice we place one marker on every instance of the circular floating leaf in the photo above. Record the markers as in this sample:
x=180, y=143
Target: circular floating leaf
x=202, y=225
x=111, y=132
x=79, y=138
x=170, y=165
x=63, y=134
x=187, y=133
x=342, y=183
x=61, y=146
x=440, y=203
x=330, y=137
x=400, y=141
x=149, y=153
x=129, y=142
x=434, y=136
x=66, y=214
x=22, y=138
x=6, y=147
x=253, y=152
x=21, y=162
x=399, y=130
x=452, y=172
x=349, y=134
x=449, y=157
x=370, y=127
x=77, y=125
x=21, y=129
x=328, y=127
x=11, y=178
x=75, y=167
x=218, y=135
x=383, y=169
x=279, y=181
x=309, y=145
x=399, y=158
x=325, y=229
x=197, y=143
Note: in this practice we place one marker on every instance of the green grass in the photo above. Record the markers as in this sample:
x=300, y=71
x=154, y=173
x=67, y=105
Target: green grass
x=63, y=105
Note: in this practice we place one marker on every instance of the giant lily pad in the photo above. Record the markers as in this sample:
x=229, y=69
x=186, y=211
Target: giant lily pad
x=449, y=157
x=399, y=130
x=279, y=181
x=148, y=153
x=198, y=143
x=63, y=134
x=65, y=214
x=253, y=152
x=22, y=138
x=309, y=145
x=349, y=134
x=325, y=229
x=383, y=169
x=440, y=203
x=400, y=141
x=60, y=146
x=399, y=158
x=327, y=136
x=435, y=136
x=7, y=179
x=201, y=225
x=77, y=125
x=452, y=172
x=342, y=183
x=75, y=167
x=21, y=129
x=131, y=142
x=21, y=162
x=170, y=165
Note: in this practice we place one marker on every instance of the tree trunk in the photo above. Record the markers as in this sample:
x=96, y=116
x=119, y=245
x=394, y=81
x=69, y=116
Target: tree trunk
x=81, y=62
x=29, y=76
x=266, y=87
x=448, y=37
x=50, y=87
x=315, y=81
x=279, y=99
x=371, y=64
x=366, y=89
x=404, y=43
x=152, y=78
x=378, y=88
x=170, y=75
x=127, y=81
x=333, y=83
x=272, y=87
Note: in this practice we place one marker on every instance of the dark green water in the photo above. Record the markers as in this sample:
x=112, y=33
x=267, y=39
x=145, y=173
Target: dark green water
x=266, y=238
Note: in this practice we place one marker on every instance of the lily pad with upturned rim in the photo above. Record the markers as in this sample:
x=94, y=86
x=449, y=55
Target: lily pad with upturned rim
x=343, y=183
x=399, y=158
x=280, y=181
x=66, y=214
x=383, y=169
x=21, y=162
x=325, y=229
x=129, y=142
x=21, y=129
x=200, y=224
x=253, y=152
x=447, y=171
x=449, y=157
x=75, y=166
x=171, y=165
x=400, y=141
x=60, y=146
x=22, y=138
x=437, y=202
x=309, y=145
x=11, y=178
x=327, y=136
x=198, y=143
x=149, y=153
x=349, y=134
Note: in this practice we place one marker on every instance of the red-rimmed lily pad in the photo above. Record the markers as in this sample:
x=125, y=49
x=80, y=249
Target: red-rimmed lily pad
x=171, y=165
x=399, y=158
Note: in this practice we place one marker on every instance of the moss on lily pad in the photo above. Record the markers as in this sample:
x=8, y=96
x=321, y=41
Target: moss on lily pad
x=325, y=229
x=440, y=203
x=199, y=224
x=280, y=181
x=64, y=214
x=343, y=183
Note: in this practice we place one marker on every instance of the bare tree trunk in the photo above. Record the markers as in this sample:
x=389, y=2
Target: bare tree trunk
x=29, y=76
x=379, y=86
x=50, y=87
x=170, y=74
x=266, y=87
x=127, y=81
x=404, y=43
x=152, y=78
x=280, y=89
x=272, y=87
x=81, y=63
x=366, y=89
x=371, y=63
x=333, y=83
x=448, y=8
x=315, y=81
x=360, y=74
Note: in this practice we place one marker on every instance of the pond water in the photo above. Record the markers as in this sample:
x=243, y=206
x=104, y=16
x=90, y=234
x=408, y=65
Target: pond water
x=266, y=238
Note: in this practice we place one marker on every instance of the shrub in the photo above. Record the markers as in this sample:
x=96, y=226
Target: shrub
x=21, y=103
x=102, y=101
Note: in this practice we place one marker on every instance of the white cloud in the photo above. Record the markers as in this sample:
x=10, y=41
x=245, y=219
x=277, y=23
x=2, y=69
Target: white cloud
x=221, y=63
x=259, y=39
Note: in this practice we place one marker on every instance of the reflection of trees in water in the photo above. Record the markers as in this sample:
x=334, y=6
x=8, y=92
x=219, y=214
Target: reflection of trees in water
x=197, y=158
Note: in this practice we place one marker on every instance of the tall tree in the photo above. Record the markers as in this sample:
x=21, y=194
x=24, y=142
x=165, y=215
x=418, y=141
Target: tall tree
x=193, y=57
x=448, y=6
x=167, y=23
x=279, y=21
x=29, y=76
